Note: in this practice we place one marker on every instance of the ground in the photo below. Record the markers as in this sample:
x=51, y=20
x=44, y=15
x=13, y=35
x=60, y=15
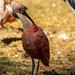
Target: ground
x=58, y=22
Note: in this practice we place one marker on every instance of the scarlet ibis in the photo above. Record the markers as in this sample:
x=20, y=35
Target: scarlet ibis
x=34, y=41
x=71, y=4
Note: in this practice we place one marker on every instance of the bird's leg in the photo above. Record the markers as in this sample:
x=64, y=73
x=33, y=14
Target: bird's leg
x=37, y=68
x=33, y=66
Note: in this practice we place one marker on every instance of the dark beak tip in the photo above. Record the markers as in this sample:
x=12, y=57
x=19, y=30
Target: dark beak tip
x=25, y=8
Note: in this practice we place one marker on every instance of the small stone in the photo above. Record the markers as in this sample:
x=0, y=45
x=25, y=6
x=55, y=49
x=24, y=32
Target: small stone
x=63, y=36
x=53, y=70
x=53, y=5
x=65, y=60
x=59, y=52
x=7, y=72
x=52, y=37
x=68, y=68
x=16, y=55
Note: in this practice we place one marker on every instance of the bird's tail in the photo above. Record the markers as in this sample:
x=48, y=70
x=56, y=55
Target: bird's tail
x=45, y=62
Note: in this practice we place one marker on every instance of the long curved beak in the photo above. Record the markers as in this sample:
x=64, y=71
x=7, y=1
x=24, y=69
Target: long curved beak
x=26, y=14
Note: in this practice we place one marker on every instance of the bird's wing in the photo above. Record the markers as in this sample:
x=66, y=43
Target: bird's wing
x=43, y=48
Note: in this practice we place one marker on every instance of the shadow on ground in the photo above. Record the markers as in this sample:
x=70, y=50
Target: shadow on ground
x=53, y=72
x=10, y=40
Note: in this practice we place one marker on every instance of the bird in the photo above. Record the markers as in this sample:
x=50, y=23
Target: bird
x=6, y=12
x=71, y=4
x=5, y=7
x=34, y=41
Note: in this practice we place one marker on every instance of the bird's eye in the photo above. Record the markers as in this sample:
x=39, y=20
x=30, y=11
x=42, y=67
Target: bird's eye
x=19, y=9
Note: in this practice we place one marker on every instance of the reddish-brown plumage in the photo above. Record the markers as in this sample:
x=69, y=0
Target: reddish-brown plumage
x=36, y=44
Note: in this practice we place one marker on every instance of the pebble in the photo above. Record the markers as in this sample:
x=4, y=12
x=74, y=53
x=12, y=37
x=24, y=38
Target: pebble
x=16, y=55
x=7, y=72
x=53, y=5
x=68, y=68
x=52, y=37
x=65, y=60
x=59, y=52
x=63, y=36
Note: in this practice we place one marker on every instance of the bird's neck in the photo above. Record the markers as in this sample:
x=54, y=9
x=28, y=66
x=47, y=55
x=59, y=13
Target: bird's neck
x=24, y=21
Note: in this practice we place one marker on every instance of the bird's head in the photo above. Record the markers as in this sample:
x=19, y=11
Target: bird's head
x=18, y=8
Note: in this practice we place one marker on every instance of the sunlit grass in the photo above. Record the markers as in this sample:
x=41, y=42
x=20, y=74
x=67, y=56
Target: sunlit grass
x=55, y=20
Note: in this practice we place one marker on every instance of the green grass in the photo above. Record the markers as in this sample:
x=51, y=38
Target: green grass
x=7, y=61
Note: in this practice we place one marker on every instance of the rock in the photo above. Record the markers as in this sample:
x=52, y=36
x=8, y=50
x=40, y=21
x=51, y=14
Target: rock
x=16, y=55
x=53, y=5
x=68, y=68
x=52, y=37
x=63, y=36
x=59, y=52
x=65, y=60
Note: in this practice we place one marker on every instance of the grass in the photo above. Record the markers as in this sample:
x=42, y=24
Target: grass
x=55, y=21
x=7, y=61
